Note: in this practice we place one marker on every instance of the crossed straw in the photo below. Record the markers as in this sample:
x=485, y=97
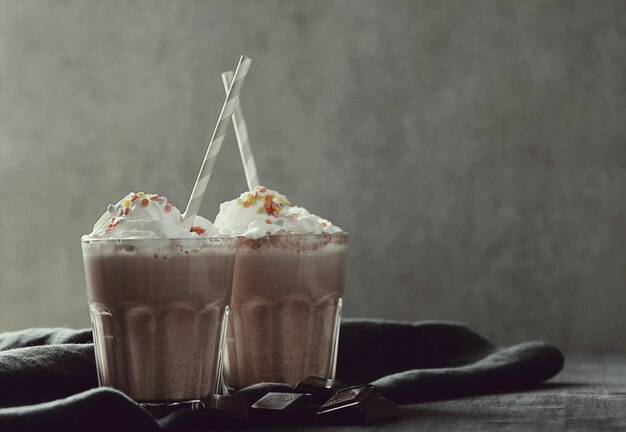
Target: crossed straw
x=232, y=85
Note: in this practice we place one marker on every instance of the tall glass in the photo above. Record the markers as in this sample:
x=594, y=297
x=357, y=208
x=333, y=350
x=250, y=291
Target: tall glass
x=285, y=309
x=159, y=310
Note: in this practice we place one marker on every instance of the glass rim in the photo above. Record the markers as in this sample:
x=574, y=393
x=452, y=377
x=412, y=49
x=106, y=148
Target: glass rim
x=217, y=239
x=340, y=234
x=113, y=240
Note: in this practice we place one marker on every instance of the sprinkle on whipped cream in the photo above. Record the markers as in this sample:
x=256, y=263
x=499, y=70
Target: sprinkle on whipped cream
x=263, y=211
x=141, y=215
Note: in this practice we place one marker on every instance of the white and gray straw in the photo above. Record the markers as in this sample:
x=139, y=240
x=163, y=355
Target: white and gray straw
x=243, y=139
x=215, y=144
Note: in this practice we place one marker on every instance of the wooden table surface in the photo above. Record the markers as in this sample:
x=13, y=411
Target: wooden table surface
x=588, y=395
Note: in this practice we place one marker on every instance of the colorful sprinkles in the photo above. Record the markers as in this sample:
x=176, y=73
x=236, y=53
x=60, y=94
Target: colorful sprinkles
x=121, y=211
x=270, y=204
x=274, y=209
x=198, y=230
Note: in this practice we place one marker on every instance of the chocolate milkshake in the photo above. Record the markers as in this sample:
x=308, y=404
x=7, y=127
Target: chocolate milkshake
x=287, y=289
x=285, y=308
x=158, y=298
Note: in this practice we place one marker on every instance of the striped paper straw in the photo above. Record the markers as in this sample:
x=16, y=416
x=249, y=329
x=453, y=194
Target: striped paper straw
x=215, y=144
x=243, y=139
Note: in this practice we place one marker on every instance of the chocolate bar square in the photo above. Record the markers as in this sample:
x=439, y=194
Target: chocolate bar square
x=358, y=396
x=321, y=389
x=280, y=405
x=356, y=405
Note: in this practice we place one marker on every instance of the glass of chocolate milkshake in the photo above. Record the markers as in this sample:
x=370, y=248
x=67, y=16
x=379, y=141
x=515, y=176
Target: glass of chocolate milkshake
x=287, y=289
x=158, y=297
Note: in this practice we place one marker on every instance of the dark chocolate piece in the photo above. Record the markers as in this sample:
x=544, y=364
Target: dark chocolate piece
x=356, y=405
x=321, y=389
x=275, y=406
x=359, y=396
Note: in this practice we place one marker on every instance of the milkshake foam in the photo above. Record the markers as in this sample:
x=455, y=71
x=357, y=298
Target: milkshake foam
x=145, y=216
x=264, y=212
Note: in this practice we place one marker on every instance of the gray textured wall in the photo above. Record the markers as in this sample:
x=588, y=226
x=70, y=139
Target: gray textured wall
x=475, y=150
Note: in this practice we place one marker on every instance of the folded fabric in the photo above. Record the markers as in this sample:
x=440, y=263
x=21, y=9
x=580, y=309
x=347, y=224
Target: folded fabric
x=48, y=376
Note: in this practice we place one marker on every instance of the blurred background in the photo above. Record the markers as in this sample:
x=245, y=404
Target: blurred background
x=475, y=151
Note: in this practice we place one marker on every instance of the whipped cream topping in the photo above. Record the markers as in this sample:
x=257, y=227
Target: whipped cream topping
x=150, y=216
x=264, y=211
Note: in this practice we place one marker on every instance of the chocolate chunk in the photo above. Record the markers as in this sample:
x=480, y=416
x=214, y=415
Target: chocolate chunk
x=274, y=406
x=360, y=404
x=321, y=389
x=361, y=396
